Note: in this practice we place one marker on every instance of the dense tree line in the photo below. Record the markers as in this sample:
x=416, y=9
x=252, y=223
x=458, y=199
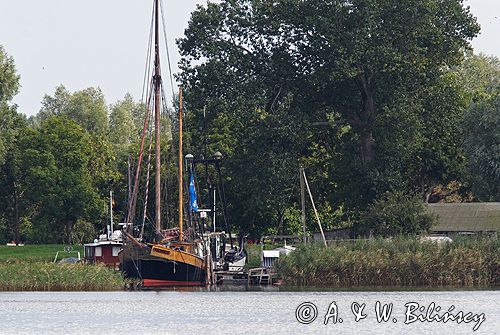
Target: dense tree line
x=382, y=102
x=369, y=96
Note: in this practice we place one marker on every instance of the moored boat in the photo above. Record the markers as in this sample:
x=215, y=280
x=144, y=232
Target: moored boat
x=171, y=258
x=106, y=248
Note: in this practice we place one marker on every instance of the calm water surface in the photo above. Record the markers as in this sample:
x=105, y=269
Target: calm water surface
x=217, y=313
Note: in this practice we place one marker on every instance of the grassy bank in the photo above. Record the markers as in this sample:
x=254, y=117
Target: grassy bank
x=30, y=268
x=467, y=262
x=37, y=253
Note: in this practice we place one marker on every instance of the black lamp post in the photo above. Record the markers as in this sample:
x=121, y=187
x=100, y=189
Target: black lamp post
x=217, y=160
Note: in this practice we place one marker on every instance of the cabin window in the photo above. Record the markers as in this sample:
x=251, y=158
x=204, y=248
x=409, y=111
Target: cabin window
x=98, y=252
x=115, y=251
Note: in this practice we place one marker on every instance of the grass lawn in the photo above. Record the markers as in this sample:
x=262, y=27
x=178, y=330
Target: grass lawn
x=37, y=253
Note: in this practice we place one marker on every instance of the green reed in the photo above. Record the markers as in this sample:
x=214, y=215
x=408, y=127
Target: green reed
x=405, y=262
x=40, y=276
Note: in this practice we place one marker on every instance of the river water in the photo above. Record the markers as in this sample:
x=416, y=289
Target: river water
x=263, y=312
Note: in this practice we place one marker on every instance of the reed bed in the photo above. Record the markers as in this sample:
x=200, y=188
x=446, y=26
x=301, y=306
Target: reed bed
x=401, y=262
x=39, y=276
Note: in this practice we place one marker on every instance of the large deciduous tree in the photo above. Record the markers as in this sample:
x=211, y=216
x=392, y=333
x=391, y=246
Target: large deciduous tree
x=482, y=145
x=125, y=123
x=9, y=86
x=376, y=70
x=86, y=107
x=479, y=75
x=56, y=159
x=9, y=79
x=355, y=55
x=11, y=125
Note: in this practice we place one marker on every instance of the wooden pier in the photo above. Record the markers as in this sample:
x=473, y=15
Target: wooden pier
x=256, y=276
x=261, y=276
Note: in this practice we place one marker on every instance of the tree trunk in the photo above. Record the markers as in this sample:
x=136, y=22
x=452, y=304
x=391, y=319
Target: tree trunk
x=427, y=191
x=367, y=153
x=17, y=224
x=69, y=233
x=366, y=118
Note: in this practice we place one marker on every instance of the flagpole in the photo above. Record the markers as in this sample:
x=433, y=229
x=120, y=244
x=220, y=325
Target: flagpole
x=189, y=170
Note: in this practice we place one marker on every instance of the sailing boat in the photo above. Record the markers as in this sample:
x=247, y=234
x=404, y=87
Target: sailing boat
x=171, y=259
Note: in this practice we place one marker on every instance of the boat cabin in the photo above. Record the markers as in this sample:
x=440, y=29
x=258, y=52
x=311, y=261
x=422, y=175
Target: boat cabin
x=103, y=252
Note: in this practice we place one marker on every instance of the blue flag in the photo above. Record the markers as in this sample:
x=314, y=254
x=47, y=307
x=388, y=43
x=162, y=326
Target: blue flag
x=192, y=195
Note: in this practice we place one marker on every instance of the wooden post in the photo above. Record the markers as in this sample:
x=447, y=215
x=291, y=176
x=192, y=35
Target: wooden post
x=314, y=208
x=209, y=270
x=303, y=203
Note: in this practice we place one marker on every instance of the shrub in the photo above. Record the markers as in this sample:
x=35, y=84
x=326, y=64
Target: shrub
x=397, y=214
x=83, y=232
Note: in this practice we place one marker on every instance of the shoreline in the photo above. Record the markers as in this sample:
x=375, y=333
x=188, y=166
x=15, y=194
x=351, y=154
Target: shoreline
x=396, y=265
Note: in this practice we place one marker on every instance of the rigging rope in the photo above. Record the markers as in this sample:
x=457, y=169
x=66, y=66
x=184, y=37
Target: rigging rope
x=225, y=214
x=147, y=70
x=133, y=202
x=166, y=47
x=147, y=74
x=146, y=195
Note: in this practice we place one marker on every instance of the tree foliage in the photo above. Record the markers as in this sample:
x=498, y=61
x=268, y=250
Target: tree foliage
x=479, y=75
x=372, y=98
x=56, y=157
x=374, y=73
x=86, y=107
x=9, y=86
x=482, y=145
x=11, y=124
x=397, y=213
x=9, y=79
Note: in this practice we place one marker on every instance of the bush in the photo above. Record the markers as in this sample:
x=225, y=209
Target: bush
x=83, y=232
x=3, y=231
x=397, y=214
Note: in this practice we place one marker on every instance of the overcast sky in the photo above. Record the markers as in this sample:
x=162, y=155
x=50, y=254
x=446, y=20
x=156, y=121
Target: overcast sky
x=83, y=43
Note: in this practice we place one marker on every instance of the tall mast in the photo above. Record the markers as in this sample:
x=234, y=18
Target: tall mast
x=180, y=164
x=157, y=83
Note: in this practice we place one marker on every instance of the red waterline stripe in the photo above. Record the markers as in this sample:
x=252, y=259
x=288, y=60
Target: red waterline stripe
x=157, y=283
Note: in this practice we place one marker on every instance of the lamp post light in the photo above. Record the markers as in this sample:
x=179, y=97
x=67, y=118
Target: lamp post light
x=189, y=161
x=218, y=156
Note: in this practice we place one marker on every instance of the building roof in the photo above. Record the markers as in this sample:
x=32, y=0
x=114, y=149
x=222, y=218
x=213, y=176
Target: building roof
x=466, y=217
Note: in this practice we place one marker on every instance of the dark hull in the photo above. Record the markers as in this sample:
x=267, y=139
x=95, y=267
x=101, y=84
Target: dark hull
x=136, y=263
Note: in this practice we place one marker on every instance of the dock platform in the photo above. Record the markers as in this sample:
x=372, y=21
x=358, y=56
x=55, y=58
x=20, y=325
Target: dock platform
x=255, y=276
